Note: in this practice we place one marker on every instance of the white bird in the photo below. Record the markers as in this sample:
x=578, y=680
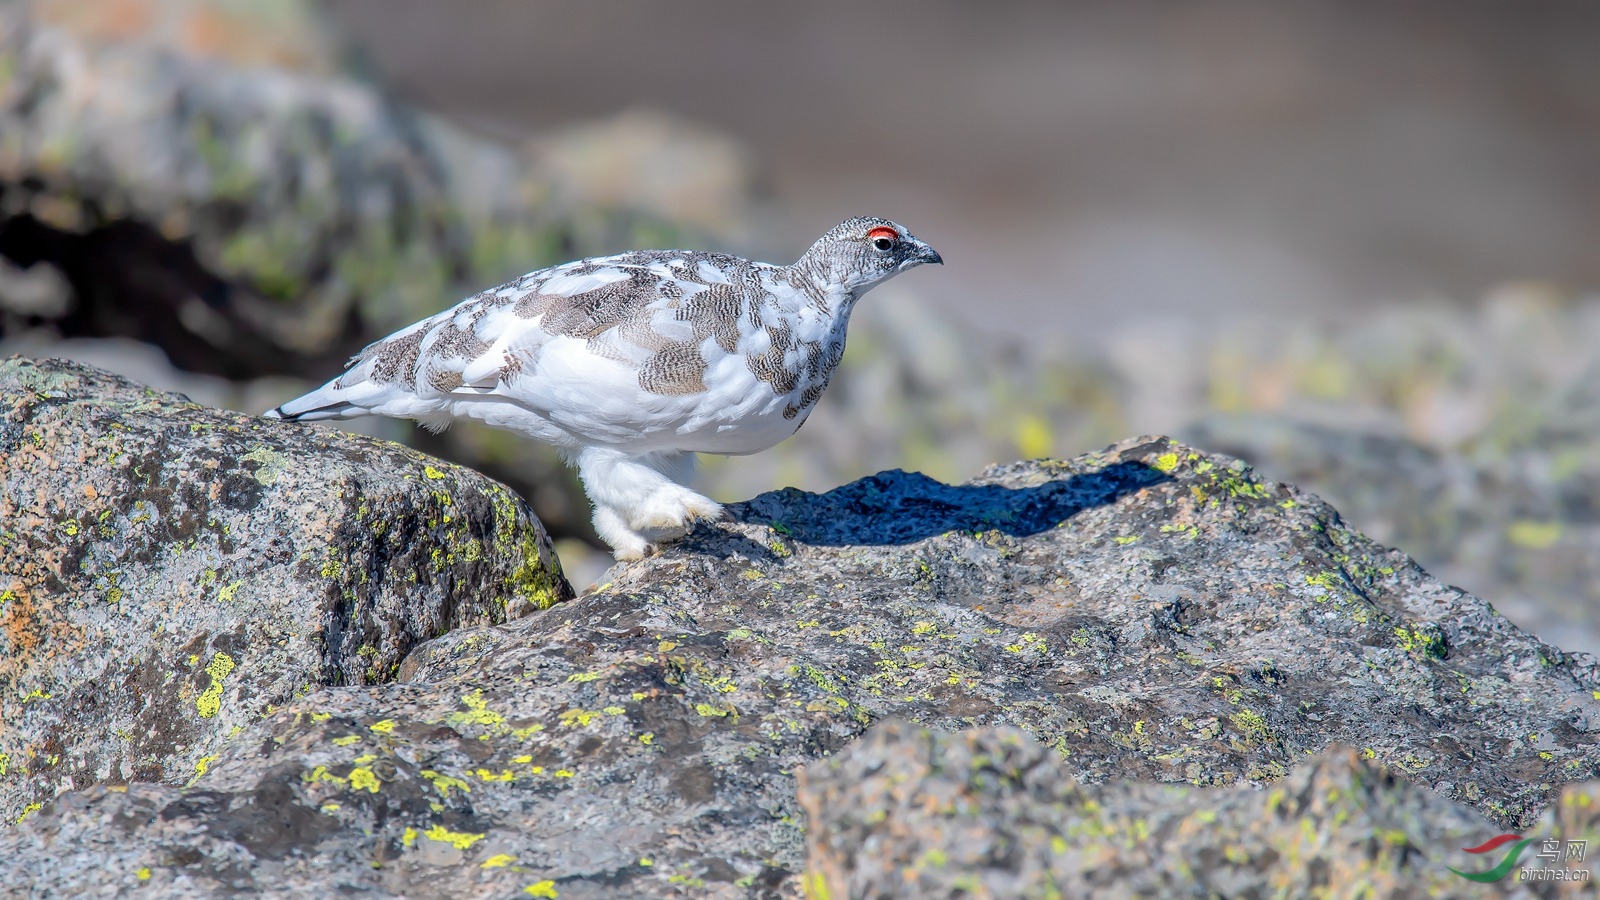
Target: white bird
x=631, y=364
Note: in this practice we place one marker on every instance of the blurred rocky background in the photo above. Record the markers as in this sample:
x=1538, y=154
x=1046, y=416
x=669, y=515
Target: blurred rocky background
x=1354, y=245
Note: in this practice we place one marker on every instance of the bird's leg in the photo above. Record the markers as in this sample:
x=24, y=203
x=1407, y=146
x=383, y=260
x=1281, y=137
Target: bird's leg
x=640, y=501
x=626, y=544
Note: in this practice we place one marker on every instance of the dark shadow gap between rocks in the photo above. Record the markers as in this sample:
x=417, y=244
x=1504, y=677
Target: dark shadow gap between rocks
x=895, y=507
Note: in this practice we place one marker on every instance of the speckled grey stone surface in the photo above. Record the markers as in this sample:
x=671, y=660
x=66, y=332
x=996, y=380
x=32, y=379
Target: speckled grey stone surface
x=169, y=574
x=990, y=812
x=1149, y=613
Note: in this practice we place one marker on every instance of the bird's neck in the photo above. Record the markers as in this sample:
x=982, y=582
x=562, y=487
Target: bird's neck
x=820, y=287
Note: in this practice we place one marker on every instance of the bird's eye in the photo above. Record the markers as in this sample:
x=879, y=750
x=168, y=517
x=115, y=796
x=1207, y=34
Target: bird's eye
x=883, y=238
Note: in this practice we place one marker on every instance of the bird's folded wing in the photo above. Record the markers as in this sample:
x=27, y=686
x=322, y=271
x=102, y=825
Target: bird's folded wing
x=629, y=323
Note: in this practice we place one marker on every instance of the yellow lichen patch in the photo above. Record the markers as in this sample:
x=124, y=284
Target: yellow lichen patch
x=201, y=765
x=409, y=838
x=1533, y=535
x=363, y=779
x=497, y=861
x=477, y=712
x=226, y=594
x=581, y=677
x=460, y=840
x=346, y=741
x=1166, y=462
x=444, y=782
x=545, y=888
x=432, y=473
x=321, y=773
x=579, y=718
x=1252, y=724
x=321, y=717
x=503, y=775
x=1328, y=581
x=1033, y=437
x=271, y=466
x=1030, y=641
x=209, y=703
x=721, y=684
x=1419, y=642
x=384, y=727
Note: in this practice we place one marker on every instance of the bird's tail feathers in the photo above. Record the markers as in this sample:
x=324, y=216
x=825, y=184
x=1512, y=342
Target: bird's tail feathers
x=332, y=402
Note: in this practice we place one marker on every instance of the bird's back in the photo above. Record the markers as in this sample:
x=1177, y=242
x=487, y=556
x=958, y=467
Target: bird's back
x=650, y=351
x=602, y=349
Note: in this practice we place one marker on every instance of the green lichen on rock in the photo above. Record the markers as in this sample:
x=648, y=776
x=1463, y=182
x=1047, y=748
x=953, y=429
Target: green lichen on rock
x=173, y=573
x=664, y=715
x=991, y=812
x=209, y=703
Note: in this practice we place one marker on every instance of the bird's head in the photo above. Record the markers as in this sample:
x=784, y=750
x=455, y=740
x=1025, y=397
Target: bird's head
x=859, y=253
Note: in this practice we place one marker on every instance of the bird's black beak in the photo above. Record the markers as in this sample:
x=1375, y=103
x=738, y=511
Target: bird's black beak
x=926, y=254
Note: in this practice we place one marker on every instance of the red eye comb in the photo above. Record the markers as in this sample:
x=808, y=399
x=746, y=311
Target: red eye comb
x=883, y=231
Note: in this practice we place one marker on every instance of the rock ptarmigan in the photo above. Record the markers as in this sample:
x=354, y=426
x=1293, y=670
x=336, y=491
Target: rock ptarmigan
x=631, y=364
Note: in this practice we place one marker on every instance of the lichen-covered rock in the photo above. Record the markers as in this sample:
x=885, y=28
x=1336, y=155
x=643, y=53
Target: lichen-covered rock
x=170, y=574
x=991, y=812
x=1467, y=434
x=1512, y=515
x=1148, y=613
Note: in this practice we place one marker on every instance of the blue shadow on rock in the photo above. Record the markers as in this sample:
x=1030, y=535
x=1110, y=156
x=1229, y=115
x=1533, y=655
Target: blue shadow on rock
x=897, y=507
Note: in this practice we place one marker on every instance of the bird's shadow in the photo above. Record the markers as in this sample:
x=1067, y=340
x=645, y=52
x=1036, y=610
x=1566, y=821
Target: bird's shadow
x=898, y=507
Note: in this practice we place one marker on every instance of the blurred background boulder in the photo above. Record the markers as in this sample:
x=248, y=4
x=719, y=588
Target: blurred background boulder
x=1206, y=223
x=206, y=179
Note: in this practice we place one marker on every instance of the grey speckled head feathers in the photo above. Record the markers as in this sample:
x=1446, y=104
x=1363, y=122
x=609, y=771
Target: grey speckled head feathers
x=863, y=251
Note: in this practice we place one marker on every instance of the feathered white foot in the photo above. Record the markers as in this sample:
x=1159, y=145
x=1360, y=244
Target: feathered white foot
x=639, y=501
